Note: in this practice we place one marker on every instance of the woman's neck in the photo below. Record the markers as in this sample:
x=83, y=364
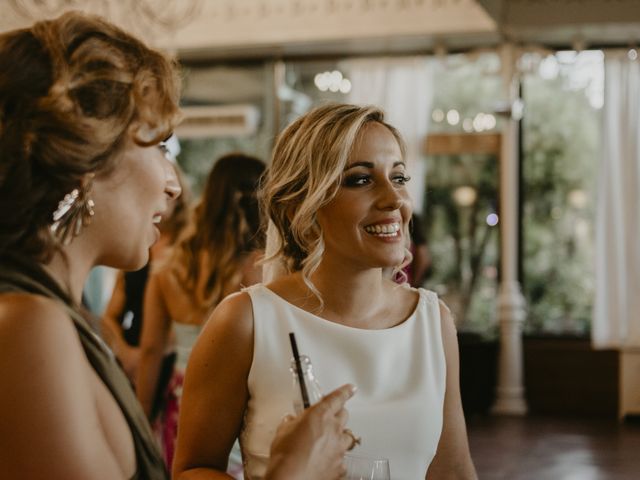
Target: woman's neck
x=70, y=270
x=350, y=297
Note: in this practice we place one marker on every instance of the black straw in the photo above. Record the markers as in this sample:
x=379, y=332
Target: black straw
x=296, y=356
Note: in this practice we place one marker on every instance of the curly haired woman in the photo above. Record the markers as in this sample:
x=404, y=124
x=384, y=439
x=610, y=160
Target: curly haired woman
x=84, y=180
x=216, y=256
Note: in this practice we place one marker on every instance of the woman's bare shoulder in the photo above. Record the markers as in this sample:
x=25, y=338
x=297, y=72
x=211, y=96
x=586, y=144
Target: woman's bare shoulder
x=227, y=334
x=34, y=329
x=24, y=311
x=234, y=314
x=229, y=325
x=43, y=363
x=39, y=347
x=164, y=286
x=164, y=274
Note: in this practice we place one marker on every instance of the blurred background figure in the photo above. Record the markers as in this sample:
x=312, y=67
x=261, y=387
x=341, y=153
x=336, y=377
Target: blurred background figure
x=420, y=267
x=122, y=320
x=216, y=255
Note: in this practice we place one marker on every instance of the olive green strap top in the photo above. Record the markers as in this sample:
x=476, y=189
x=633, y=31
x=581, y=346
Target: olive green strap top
x=20, y=274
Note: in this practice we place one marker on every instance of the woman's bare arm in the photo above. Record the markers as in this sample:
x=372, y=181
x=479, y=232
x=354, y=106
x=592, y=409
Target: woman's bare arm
x=156, y=327
x=215, y=391
x=214, y=400
x=452, y=459
x=110, y=327
x=112, y=330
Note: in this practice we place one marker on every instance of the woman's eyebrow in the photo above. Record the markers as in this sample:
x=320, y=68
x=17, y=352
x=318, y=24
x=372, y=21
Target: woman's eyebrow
x=359, y=164
x=399, y=163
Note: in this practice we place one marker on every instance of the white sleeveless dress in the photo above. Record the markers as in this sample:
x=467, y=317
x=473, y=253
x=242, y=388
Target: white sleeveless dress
x=400, y=373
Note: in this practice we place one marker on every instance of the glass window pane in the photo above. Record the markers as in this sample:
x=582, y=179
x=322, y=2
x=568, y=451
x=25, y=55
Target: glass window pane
x=461, y=198
x=563, y=96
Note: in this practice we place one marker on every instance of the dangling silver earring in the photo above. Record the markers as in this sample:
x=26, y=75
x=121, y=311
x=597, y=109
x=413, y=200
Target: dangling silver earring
x=74, y=212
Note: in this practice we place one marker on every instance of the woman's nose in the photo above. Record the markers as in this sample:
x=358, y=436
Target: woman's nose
x=172, y=187
x=391, y=198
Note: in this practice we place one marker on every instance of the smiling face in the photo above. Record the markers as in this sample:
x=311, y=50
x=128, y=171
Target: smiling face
x=130, y=202
x=365, y=223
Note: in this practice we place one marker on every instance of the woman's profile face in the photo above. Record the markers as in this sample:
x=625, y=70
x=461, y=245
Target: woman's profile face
x=130, y=202
x=364, y=224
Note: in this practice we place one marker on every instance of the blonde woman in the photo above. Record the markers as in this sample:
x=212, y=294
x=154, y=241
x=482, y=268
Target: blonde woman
x=335, y=193
x=84, y=180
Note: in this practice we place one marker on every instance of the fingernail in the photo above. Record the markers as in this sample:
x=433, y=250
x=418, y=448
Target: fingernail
x=353, y=389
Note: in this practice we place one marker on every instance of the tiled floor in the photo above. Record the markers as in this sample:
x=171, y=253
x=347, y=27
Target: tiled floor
x=543, y=448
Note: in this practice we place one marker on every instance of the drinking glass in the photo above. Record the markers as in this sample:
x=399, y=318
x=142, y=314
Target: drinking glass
x=366, y=468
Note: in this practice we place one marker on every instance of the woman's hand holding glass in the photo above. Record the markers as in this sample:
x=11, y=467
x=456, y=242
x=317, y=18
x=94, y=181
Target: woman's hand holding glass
x=313, y=444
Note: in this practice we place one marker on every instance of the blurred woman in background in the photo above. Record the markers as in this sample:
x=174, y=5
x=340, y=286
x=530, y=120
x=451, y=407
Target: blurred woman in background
x=216, y=256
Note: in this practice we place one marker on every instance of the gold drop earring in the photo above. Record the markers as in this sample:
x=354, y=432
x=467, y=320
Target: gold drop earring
x=74, y=211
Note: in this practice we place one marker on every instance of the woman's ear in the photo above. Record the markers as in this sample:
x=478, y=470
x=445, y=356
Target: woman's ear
x=87, y=179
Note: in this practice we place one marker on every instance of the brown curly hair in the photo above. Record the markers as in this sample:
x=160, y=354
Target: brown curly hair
x=225, y=227
x=72, y=90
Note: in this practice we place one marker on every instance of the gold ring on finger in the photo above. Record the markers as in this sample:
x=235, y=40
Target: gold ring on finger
x=355, y=440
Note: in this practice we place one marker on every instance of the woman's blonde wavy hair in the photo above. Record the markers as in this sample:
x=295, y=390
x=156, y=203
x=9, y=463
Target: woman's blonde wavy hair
x=72, y=91
x=306, y=170
x=225, y=227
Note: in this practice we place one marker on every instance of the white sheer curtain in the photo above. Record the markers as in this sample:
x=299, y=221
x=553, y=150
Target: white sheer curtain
x=616, y=321
x=403, y=88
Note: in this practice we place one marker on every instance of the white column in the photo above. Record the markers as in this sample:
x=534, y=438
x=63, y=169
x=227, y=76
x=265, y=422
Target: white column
x=511, y=304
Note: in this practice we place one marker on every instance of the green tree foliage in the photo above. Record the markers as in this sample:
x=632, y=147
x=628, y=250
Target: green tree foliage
x=561, y=146
x=463, y=246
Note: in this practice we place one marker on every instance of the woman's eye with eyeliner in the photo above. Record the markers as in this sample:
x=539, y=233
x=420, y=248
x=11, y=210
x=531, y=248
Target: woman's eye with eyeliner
x=356, y=180
x=162, y=146
x=401, y=179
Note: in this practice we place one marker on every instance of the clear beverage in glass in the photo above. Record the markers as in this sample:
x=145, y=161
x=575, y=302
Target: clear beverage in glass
x=314, y=391
x=360, y=467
